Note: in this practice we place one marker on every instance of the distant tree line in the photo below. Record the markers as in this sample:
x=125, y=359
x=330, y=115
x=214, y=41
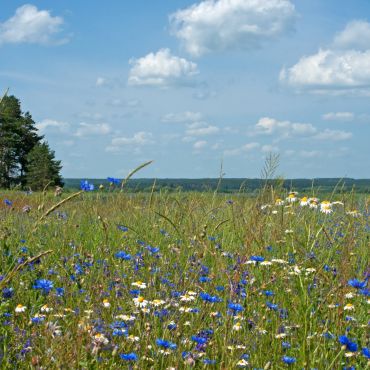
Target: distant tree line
x=26, y=159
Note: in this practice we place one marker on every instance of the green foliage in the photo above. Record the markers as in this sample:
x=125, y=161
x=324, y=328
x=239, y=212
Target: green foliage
x=42, y=167
x=18, y=137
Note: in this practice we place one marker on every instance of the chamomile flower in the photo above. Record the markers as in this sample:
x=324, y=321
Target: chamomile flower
x=326, y=207
x=20, y=308
x=140, y=301
x=304, y=202
x=279, y=202
x=292, y=197
x=46, y=308
x=238, y=326
x=139, y=284
x=106, y=303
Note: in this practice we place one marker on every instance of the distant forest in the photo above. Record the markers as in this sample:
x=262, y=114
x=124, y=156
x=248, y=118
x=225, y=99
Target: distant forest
x=232, y=185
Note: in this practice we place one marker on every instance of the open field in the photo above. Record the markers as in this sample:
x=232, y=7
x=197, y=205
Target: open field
x=173, y=281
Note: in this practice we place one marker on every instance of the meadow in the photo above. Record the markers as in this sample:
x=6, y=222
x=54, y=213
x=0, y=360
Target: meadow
x=108, y=279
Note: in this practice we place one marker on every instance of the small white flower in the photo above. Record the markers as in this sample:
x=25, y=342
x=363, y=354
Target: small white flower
x=139, y=284
x=140, y=301
x=20, y=308
x=237, y=326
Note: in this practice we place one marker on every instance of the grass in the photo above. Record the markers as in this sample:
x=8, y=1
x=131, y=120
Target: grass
x=195, y=254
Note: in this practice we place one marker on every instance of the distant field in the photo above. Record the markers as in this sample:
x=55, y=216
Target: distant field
x=230, y=185
x=184, y=280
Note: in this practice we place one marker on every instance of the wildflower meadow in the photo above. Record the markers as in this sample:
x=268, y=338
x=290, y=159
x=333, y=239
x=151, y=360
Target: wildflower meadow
x=103, y=278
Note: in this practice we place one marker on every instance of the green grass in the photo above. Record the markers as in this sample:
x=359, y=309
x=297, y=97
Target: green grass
x=198, y=235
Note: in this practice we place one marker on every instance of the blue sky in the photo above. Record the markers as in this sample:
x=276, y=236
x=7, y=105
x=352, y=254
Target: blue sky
x=189, y=84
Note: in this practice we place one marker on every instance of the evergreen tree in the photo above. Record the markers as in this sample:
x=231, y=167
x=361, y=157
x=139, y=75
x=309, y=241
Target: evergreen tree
x=42, y=167
x=18, y=135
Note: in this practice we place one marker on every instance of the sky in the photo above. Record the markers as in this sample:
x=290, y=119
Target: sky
x=193, y=84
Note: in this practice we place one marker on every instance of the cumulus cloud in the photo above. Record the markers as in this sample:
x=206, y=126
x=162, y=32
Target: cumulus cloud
x=52, y=125
x=183, y=117
x=198, y=145
x=338, y=116
x=343, y=68
x=91, y=129
x=283, y=129
x=30, y=25
x=140, y=138
x=217, y=25
x=356, y=35
x=201, y=129
x=240, y=150
x=161, y=69
x=100, y=81
x=333, y=135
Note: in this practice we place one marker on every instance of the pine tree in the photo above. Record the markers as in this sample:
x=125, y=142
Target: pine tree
x=42, y=167
x=18, y=135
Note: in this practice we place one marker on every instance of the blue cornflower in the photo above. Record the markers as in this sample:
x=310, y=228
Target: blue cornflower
x=43, y=284
x=272, y=306
x=268, y=293
x=60, y=292
x=37, y=319
x=286, y=345
x=365, y=292
x=8, y=293
x=204, y=279
x=114, y=180
x=199, y=340
x=129, y=356
x=289, y=360
x=119, y=332
x=152, y=250
x=357, y=283
x=208, y=361
x=165, y=343
x=366, y=352
x=86, y=186
x=209, y=298
x=350, y=346
x=8, y=203
x=257, y=258
x=122, y=228
x=123, y=255
x=235, y=307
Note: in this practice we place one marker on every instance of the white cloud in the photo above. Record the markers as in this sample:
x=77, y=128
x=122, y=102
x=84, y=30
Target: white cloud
x=310, y=153
x=198, y=145
x=343, y=68
x=30, y=25
x=201, y=129
x=286, y=129
x=140, y=138
x=283, y=129
x=100, y=81
x=183, y=117
x=52, y=125
x=338, y=116
x=161, y=69
x=89, y=129
x=333, y=135
x=356, y=35
x=217, y=25
x=269, y=148
x=243, y=149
